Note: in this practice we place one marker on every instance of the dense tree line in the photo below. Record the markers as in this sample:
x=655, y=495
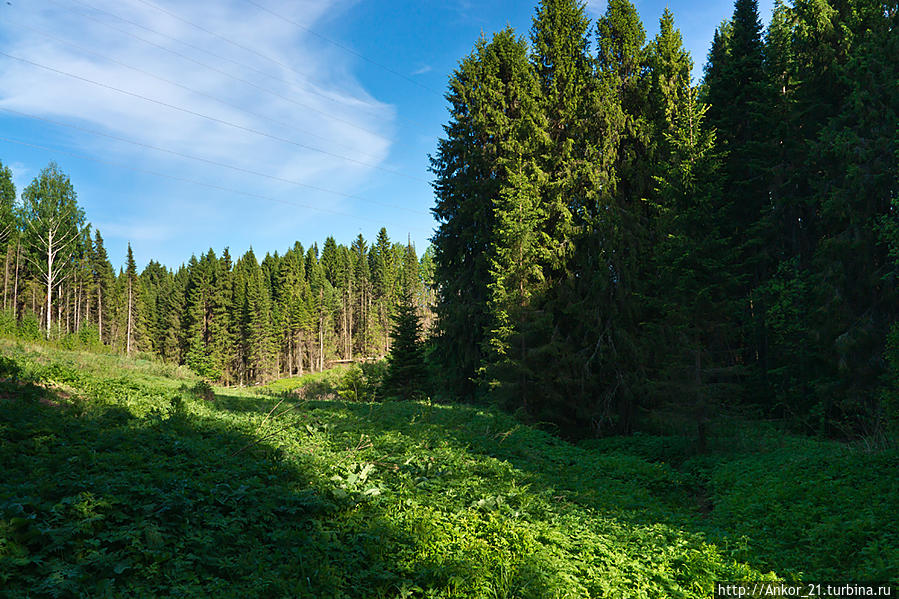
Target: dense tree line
x=233, y=321
x=616, y=243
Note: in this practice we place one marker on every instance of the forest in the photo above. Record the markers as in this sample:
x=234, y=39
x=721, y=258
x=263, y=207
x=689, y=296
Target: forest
x=617, y=244
x=652, y=346
x=233, y=322
x=614, y=245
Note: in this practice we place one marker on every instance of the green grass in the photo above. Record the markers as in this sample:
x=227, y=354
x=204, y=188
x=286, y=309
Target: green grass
x=120, y=481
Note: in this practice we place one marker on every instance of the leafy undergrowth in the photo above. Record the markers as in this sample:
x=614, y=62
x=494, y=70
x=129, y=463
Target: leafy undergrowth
x=808, y=509
x=120, y=480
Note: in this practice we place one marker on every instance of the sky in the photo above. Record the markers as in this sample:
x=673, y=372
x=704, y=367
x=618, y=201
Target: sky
x=189, y=125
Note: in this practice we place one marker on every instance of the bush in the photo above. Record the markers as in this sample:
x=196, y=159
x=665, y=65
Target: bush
x=361, y=382
x=201, y=390
x=8, y=369
x=7, y=323
x=889, y=397
x=88, y=338
x=29, y=329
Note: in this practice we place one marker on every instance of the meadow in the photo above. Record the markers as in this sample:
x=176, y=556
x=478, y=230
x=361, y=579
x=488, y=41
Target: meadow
x=131, y=478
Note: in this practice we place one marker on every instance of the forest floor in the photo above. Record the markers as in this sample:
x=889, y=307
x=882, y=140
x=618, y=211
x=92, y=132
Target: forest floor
x=119, y=479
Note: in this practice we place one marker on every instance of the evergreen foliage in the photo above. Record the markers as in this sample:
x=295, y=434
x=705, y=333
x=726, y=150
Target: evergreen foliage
x=234, y=322
x=625, y=243
x=615, y=243
x=406, y=376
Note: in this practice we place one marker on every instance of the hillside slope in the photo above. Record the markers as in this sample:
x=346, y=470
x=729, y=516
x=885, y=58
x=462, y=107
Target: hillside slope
x=120, y=480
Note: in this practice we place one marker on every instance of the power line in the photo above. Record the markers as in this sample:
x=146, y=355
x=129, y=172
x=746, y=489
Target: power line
x=221, y=37
x=176, y=84
x=308, y=88
x=186, y=180
x=343, y=47
x=212, y=118
x=207, y=161
x=213, y=68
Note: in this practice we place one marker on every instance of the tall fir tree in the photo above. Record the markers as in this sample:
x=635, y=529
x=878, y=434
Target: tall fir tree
x=406, y=375
x=466, y=185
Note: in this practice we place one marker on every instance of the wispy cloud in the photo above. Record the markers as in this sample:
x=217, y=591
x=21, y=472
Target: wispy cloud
x=421, y=71
x=21, y=176
x=136, y=231
x=597, y=7
x=301, y=90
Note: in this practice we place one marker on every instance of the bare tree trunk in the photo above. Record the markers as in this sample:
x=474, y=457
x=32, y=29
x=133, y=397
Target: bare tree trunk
x=128, y=344
x=78, y=307
x=100, y=312
x=59, y=302
x=300, y=344
x=6, y=276
x=350, y=320
x=15, y=289
x=321, y=327
x=702, y=413
x=68, y=310
x=49, y=281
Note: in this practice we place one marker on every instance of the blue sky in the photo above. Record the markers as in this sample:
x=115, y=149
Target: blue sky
x=214, y=123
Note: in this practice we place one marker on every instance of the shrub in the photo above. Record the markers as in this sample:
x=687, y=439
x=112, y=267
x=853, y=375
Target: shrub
x=29, y=329
x=7, y=323
x=201, y=390
x=360, y=382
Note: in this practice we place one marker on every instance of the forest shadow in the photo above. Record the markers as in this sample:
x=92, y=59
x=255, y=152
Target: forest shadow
x=96, y=501
x=601, y=482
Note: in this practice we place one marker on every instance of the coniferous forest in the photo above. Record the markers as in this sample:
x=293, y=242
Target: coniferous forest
x=242, y=321
x=653, y=346
x=615, y=242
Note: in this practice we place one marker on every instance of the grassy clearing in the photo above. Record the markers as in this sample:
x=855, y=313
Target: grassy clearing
x=124, y=483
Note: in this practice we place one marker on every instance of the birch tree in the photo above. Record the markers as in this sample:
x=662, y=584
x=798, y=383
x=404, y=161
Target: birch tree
x=53, y=221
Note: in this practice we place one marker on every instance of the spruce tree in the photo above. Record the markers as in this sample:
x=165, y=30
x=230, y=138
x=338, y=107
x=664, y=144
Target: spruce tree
x=525, y=222
x=465, y=187
x=8, y=231
x=406, y=375
x=383, y=286
x=133, y=302
x=104, y=277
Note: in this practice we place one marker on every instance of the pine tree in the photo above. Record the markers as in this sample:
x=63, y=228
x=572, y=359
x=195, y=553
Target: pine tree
x=255, y=320
x=670, y=68
x=695, y=286
x=363, y=292
x=221, y=328
x=621, y=65
x=853, y=178
x=200, y=316
x=520, y=251
x=565, y=94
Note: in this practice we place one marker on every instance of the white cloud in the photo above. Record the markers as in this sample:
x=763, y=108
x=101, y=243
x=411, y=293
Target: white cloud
x=596, y=7
x=21, y=176
x=133, y=231
x=315, y=101
x=421, y=71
